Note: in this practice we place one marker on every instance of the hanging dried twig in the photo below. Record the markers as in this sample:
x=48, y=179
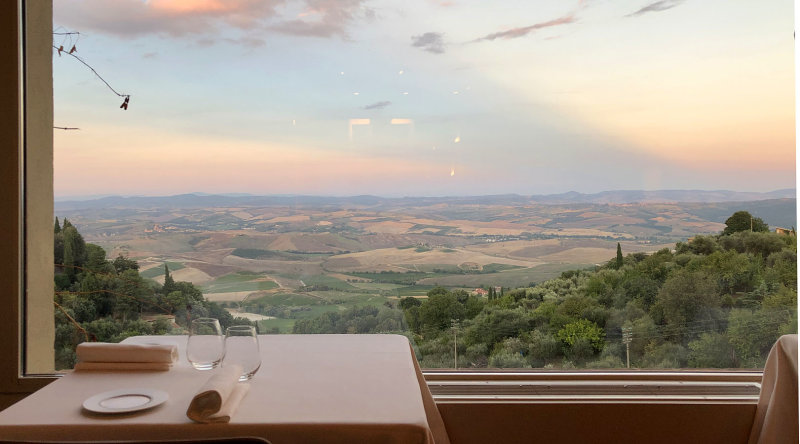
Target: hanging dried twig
x=127, y=97
x=72, y=43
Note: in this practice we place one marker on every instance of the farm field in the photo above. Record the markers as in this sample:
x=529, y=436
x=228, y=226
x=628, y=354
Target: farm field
x=295, y=261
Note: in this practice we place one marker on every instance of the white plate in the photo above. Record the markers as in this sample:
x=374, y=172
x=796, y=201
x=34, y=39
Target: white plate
x=125, y=400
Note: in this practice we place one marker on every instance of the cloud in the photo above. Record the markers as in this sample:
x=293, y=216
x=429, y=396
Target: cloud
x=249, y=42
x=661, y=5
x=430, y=41
x=378, y=105
x=179, y=18
x=525, y=30
x=134, y=18
x=325, y=18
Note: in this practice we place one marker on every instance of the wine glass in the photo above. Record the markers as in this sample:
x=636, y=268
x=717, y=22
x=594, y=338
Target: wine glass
x=241, y=348
x=206, y=346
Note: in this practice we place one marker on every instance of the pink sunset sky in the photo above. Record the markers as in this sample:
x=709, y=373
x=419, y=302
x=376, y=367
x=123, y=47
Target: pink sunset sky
x=425, y=97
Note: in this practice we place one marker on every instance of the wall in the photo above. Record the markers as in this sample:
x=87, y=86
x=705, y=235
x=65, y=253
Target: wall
x=617, y=423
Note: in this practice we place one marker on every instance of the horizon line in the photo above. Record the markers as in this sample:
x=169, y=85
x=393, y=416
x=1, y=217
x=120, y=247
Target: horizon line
x=69, y=198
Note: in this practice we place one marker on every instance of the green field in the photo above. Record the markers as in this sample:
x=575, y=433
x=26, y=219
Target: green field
x=377, y=286
x=407, y=278
x=493, y=268
x=413, y=290
x=434, y=268
x=511, y=278
x=283, y=325
x=255, y=253
x=315, y=304
x=157, y=271
x=240, y=281
x=325, y=280
x=288, y=299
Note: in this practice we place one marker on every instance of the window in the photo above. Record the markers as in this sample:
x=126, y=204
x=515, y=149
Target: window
x=362, y=100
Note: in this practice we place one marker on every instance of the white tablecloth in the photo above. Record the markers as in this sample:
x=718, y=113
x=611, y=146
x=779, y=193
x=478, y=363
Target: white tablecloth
x=311, y=388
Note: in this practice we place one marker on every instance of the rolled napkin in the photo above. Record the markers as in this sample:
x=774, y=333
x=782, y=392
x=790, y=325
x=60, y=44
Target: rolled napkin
x=108, y=356
x=219, y=397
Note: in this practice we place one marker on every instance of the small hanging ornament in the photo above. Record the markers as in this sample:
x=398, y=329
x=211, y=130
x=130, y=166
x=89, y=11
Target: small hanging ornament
x=73, y=49
x=125, y=103
x=60, y=48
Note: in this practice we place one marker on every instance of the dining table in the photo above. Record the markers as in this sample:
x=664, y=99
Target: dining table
x=309, y=389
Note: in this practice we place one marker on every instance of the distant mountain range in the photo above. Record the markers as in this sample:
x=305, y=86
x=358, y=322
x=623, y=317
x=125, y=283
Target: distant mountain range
x=199, y=200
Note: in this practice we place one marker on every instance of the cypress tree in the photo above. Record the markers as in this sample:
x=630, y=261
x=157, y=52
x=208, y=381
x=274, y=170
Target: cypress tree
x=619, y=256
x=169, y=283
x=69, y=257
x=57, y=227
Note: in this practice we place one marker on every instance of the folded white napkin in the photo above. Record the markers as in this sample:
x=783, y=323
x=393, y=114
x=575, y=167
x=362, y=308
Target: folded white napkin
x=108, y=356
x=219, y=397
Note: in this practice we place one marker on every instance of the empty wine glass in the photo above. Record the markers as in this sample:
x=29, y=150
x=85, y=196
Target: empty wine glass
x=206, y=346
x=241, y=348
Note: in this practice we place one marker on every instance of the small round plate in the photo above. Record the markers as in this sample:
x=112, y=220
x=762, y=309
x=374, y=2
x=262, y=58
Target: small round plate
x=125, y=400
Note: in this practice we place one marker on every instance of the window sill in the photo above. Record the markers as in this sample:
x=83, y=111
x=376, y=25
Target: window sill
x=676, y=386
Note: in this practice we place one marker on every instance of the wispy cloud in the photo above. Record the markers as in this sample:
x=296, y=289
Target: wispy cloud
x=661, y=5
x=513, y=33
x=378, y=105
x=430, y=41
x=250, y=42
x=325, y=18
x=525, y=30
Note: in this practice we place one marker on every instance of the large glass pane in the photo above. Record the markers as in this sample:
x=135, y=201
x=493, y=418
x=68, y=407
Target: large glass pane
x=525, y=185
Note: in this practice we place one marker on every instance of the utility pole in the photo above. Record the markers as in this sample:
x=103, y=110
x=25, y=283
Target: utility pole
x=627, y=336
x=454, y=324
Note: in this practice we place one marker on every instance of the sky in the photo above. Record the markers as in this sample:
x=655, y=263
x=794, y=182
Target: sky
x=423, y=97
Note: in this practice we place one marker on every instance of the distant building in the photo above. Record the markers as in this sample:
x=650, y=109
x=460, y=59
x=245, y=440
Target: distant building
x=480, y=292
x=784, y=231
x=156, y=229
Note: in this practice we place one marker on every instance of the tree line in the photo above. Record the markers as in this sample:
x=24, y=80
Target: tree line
x=107, y=300
x=714, y=301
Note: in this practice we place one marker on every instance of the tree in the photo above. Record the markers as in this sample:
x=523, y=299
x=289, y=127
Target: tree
x=618, y=263
x=122, y=263
x=743, y=221
x=711, y=350
x=57, y=227
x=169, y=283
x=96, y=258
x=583, y=329
x=440, y=308
x=687, y=297
x=74, y=249
x=408, y=302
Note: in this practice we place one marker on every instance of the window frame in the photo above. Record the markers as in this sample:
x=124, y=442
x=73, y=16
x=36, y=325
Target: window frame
x=13, y=383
